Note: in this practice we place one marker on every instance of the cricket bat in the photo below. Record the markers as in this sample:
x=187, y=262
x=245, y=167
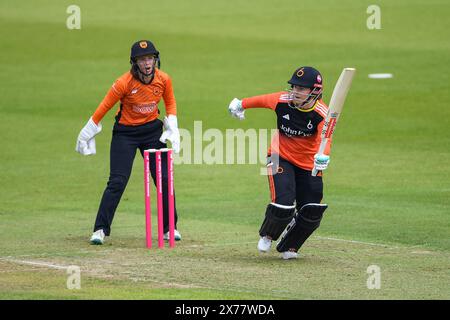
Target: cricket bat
x=335, y=108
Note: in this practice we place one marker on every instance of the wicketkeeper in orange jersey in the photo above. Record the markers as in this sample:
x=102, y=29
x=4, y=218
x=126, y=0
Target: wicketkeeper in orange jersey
x=137, y=127
x=295, y=194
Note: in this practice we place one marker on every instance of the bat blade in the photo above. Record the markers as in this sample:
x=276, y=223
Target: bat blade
x=340, y=92
x=335, y=107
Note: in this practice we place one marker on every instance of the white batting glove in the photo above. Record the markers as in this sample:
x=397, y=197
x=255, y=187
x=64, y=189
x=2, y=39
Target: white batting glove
x=171, y=132
x=321, y=162
x=86, y=141
x=236, y=110
x=87, y=148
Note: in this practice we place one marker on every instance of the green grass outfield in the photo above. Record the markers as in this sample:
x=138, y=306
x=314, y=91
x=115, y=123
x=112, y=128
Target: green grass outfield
x=388, y=184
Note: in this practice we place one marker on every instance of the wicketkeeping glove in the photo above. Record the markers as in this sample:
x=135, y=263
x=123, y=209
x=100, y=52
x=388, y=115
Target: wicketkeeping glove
x=236, y=110
x=171, y=132
x=321, y=162
x=86, y=141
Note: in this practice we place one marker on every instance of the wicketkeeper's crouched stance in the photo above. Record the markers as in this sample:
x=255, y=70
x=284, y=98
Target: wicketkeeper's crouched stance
x=137, y=127
x=295, y=208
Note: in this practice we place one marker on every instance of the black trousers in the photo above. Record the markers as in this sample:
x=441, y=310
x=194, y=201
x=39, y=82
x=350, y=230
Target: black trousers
x=291, y=183
x=125, y=141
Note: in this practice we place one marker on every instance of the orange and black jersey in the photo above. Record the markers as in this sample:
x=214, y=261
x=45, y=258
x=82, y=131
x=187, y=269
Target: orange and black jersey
x=138, y=101
x=298, y=136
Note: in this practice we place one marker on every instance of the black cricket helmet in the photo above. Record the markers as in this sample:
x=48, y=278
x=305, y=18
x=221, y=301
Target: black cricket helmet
x=307, y=77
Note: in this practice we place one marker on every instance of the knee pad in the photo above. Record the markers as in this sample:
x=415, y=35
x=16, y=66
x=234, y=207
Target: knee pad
x=276, y=219
x=307, y=220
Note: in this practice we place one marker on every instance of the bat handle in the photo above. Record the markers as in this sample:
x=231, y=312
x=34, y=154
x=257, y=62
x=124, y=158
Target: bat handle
x=314, y=172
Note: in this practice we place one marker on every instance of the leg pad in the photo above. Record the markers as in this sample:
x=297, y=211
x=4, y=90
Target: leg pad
x=307, y=220
x=276, y=219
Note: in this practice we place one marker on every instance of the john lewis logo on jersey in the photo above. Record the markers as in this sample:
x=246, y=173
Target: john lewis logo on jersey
x=291, y=132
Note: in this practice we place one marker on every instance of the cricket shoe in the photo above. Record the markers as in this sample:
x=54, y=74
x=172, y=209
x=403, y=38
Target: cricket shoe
x=98, y=237
x=264, y=244
x=176, y=234
x=286, y=255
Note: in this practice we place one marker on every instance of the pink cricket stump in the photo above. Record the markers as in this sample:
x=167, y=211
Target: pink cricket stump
x=148, y=208
x=159, y=198
x=171, y=199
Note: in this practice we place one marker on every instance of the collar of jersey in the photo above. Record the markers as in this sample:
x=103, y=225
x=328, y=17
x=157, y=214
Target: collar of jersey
x=310, y=109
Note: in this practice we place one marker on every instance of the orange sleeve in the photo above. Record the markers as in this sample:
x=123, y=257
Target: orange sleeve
x=328, y=147
x=115, y=93
x=169, y=98
x=269, y=101
x=319, y=132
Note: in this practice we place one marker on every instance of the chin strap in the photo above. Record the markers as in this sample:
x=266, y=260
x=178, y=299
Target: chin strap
x=141, y=74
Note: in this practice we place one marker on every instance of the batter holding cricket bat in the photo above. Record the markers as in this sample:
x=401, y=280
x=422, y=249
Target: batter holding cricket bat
x=298, y=154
